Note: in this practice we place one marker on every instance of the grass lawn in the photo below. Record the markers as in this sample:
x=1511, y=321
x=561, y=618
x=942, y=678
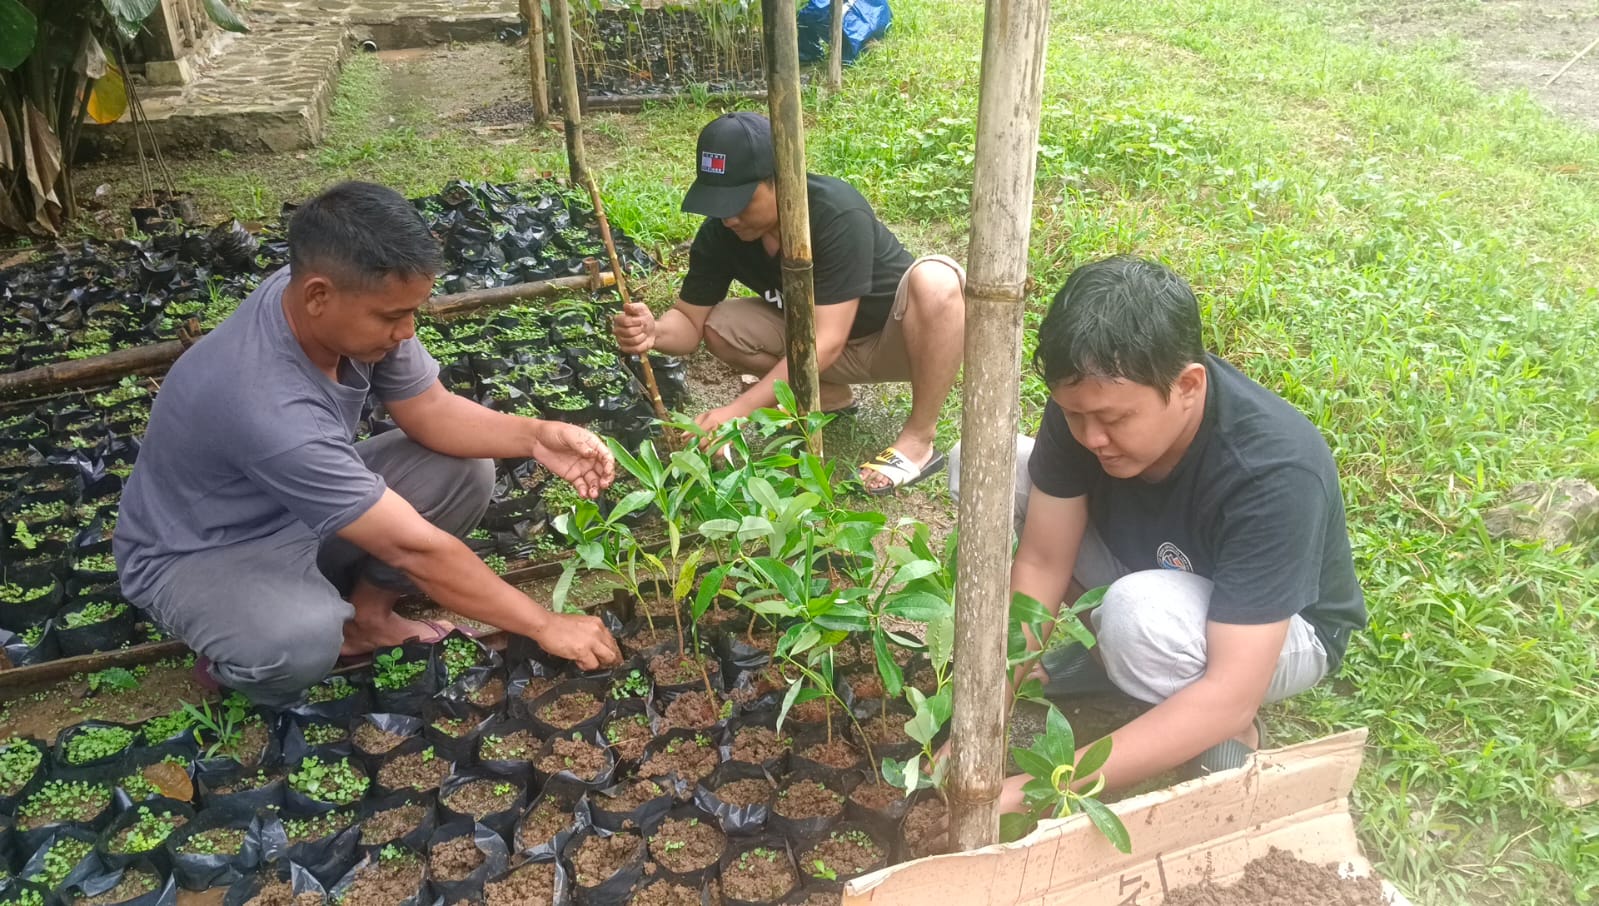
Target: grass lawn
x=1408, y=260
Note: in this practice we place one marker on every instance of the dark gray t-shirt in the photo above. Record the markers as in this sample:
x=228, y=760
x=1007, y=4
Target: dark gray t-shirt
x=247, y=437
x=1253, y=505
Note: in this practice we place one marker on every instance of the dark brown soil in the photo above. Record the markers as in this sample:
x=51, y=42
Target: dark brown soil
x=245, y=782
x=926, y=828
x=302, y=831
x=758, y=745
x=455, y=726
x=846, y=853
x=454, y=859
x=543, y=823
x=630, y=798
x=414, y=771
x=760, y=875
x=689, y=759
x=392, y=823
x=1279, y=879
x=601, y=857
x=519, y=746
x=664, y=893
x=570, y=710
x=631, y=735
x=223, y=840
x=482, y=797
x=369, y=739
x=281, y=893
x=532, y=883
x=808, y=799
x=537, y=686
x=134, y=883
x=866, y=686
x=489, y=695
x=647, y=638
x=386, y=883
x=769, y=680
x=885, y=730
x=673, y=669
x=836, y=754
x=657, y=607
x=687, y=845
x=876, y=795
x=584, y=760
x=250, y=747
x=742, y=793
x=816, y=712
x=693, y=711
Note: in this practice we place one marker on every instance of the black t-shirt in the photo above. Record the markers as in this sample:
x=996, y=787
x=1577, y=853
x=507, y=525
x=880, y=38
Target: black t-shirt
x=1253, y=505
x=853, y=257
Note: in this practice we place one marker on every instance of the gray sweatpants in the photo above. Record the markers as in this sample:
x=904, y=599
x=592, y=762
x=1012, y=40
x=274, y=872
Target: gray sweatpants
x=270, y=613
x=1151, y=624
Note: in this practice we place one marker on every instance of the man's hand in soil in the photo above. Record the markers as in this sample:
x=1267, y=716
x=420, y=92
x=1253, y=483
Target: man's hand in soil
x=576, y=455
x=634, y=327
x=579, y=638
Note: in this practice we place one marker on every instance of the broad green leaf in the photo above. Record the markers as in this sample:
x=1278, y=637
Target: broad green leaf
x=1079, y=633
x=1032, y=690
x=1013, y=827
x=19, y=30
x=753, y=527
x=804, y=638
x=760, y=490
x=130, y=14
x=710, y=587
x=562, y=587
x=940, y=638
x=1024, y=609
x=225, y=17
x=785, y=396
x=629, y=505
x=912, y=778
x=788, y=701
x=887, y=668
x=844, y=617
x=1057, y=743
x=914, y=570
x=942, y=705
x=591, y=553
x=1108, y=824
x=628, y=461
x=718, y=528
x=917, y=606
x=1032, y=764
x=1094, y=758
x=1090, y=599
x=685, y=576
x=923, y=727
x=674, y=538
x=562, y=522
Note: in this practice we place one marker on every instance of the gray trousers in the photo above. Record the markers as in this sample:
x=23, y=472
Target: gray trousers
x=270, y=613
x=1151, y=625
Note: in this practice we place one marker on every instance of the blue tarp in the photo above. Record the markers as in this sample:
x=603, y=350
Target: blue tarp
x=864, y=20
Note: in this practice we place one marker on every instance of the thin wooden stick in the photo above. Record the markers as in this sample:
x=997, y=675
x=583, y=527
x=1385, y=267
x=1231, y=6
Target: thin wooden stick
x=835, y=61
x=1572, y=62
x=627, y=299
x=571, y=96
x=1009, y=98
x=538, y=69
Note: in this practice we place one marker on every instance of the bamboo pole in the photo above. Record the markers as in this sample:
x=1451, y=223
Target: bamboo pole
x=647, y=370
x=1011, y=89
x=571, y=99
x=835, y=57
x=793, y=202
x=156, y=358
x=537, y=68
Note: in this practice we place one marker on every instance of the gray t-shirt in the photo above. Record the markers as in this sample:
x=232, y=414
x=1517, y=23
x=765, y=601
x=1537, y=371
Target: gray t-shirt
x=248, y=437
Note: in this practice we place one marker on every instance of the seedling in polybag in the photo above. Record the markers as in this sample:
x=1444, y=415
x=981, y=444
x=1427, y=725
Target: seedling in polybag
x=336, y=781
x=94, y=743
x=391, y=671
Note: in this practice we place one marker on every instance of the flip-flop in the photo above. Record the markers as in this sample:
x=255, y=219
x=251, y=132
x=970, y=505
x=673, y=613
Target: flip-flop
x=439, y=632
x=900, y=471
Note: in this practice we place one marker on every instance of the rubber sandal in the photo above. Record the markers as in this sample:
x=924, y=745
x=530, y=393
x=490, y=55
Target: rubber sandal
x=900, y=471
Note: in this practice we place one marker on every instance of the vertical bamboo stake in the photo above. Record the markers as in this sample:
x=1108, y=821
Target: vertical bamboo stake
x=537, y=67
x=793, y=201
x=571, y=100
x=835, y=57
x=1002, y=202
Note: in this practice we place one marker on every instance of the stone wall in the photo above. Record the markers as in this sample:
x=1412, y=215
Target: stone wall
x=174, y=38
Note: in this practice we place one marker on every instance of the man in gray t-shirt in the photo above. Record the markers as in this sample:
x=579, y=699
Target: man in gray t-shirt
x=257, y=530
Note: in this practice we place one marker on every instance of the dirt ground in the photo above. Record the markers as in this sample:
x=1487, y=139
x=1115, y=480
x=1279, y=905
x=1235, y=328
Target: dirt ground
x=1507, y=44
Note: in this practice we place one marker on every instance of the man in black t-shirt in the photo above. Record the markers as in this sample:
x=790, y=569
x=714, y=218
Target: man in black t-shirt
x=1208, y=505
x=879, y=315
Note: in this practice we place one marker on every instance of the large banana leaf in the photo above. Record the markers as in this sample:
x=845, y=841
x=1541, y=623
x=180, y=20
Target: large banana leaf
x=18, y=30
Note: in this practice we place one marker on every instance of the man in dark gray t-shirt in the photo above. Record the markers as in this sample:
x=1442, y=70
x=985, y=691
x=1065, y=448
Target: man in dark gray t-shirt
x=1206, y=507
x=257, y=530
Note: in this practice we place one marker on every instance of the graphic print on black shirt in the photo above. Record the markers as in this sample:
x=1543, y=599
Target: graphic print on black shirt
x=854, y=257
x=1253, y=505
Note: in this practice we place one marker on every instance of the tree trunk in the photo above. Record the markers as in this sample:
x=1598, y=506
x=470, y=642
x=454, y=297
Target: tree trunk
x=835, y=56
x=571, y=98
x=1002, y=202
x=793, y=201
x=537, y=67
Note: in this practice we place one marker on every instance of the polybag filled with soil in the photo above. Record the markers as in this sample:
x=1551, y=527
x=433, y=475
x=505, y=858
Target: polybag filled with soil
x=605, y=866
x=461, y=856
x=492, y=800
x=215, y=849
x=391, y=878
x=407, y=817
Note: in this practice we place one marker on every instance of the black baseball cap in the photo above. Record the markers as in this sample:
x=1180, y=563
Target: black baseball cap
x=735, y=155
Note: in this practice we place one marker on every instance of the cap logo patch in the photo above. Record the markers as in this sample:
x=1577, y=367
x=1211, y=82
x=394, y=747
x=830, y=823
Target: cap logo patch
x=711, y=162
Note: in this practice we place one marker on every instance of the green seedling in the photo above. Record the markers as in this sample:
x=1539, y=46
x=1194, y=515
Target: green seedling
x=19, y=761
x=96, y=743
x=497, y=563
x=12, y=593
x=819, y=869
x=63, y=800
x=336, y=781
x=95, y=613
x=323, y=734
x=318, y=827
x=63, y=856
x=148, y=831
x=157, y=730
x=332, y=689
x=391, y=671
x=461, y=655
x=634, y=685
x=116, y=679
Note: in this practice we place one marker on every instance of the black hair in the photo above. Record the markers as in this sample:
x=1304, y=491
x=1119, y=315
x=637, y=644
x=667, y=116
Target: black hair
x=1121, y=317
x=359, y=234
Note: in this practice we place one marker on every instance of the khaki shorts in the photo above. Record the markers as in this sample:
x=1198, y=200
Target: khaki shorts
x=753, y=325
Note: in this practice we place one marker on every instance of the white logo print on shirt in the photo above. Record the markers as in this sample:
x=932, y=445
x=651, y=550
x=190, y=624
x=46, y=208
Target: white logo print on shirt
x=1170, y=556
